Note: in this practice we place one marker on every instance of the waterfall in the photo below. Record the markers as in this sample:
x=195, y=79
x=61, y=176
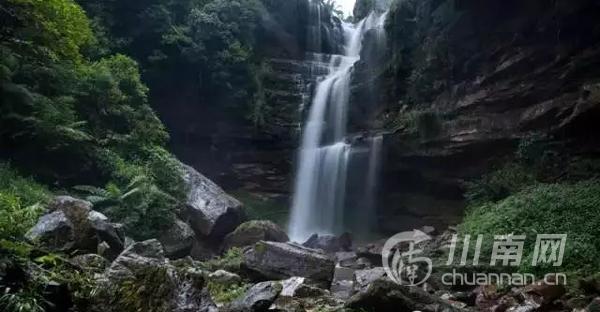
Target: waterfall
x=320, y=187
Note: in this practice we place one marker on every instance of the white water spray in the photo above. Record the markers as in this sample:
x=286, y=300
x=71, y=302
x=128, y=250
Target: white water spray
x=318, y=205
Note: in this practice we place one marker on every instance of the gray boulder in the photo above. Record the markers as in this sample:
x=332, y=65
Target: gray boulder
x=385, y=295
x=251, y=232
x=91, y=262
x=77, y=211
x=144, y=268
x=54, y=231
x=137, y=258
x=210, y=211
x=258, y=298
x=330, y=243
x=273, y=260
x=363, y=278
x=224, y=278
x=72, y=225
x=178, y=240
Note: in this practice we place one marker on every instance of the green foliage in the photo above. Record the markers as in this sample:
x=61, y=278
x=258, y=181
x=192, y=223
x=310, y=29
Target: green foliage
x=116, y=110
x=499, y=184
x=26, y=300
x=21, y=202
x=89, y=120
x=224, y=294
x=573, y=208
x=27, y=293
x=205, y=45
x=231, y=261
x=143, y=208
x=56, y=28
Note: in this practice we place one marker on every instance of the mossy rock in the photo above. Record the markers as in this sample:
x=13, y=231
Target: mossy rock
x=251, y=232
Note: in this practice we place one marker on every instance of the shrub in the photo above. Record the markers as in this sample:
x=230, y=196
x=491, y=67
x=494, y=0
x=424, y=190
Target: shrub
x=231, y=261
x=499, y=184
x=571, y=209
x=21, y=202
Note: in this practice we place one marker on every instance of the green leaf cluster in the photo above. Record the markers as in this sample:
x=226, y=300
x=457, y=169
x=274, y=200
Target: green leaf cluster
x=76, y=118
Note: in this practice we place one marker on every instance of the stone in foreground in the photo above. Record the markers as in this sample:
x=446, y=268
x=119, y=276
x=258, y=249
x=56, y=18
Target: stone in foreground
x=272, y=260
x=258, y=298
x=385, y=295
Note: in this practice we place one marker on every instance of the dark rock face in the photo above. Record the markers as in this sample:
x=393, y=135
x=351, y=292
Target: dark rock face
x=226, y=146
x=178, y=240
x=475, y=78
x=210, y=211
x=384, y=295
x=273, y=260
x=251, y=232
x=330, y=243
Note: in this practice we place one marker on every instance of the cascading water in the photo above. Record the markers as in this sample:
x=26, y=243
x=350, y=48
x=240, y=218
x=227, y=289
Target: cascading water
x=320, y=189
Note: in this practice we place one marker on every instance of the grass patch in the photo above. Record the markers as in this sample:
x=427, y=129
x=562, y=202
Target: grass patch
x=22, y=202
x=231, y=261
x=224, y=294
x=499, y=184
x=571, y=209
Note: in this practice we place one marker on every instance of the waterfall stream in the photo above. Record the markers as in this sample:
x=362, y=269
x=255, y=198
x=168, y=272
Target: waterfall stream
x=324, y=156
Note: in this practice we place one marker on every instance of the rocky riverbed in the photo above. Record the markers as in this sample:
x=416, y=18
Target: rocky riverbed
x=214, y=260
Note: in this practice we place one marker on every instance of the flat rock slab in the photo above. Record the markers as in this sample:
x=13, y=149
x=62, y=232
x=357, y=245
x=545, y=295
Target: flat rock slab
x=273, y=260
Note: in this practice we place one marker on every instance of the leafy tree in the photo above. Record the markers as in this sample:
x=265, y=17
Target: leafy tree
x=89, y=120
x=56, y=28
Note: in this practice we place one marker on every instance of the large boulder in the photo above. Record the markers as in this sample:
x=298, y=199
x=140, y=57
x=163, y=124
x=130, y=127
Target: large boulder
x=178, y=240
x=273, y=260
x=210, y=211
x=137, y=258
x=54, y=231
x=143, y=269
x=258, y=298
x=252, y=232
x=72, y=225
x=223, y=277
x=385, y=295
x=363, y=278
x=105, y=231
